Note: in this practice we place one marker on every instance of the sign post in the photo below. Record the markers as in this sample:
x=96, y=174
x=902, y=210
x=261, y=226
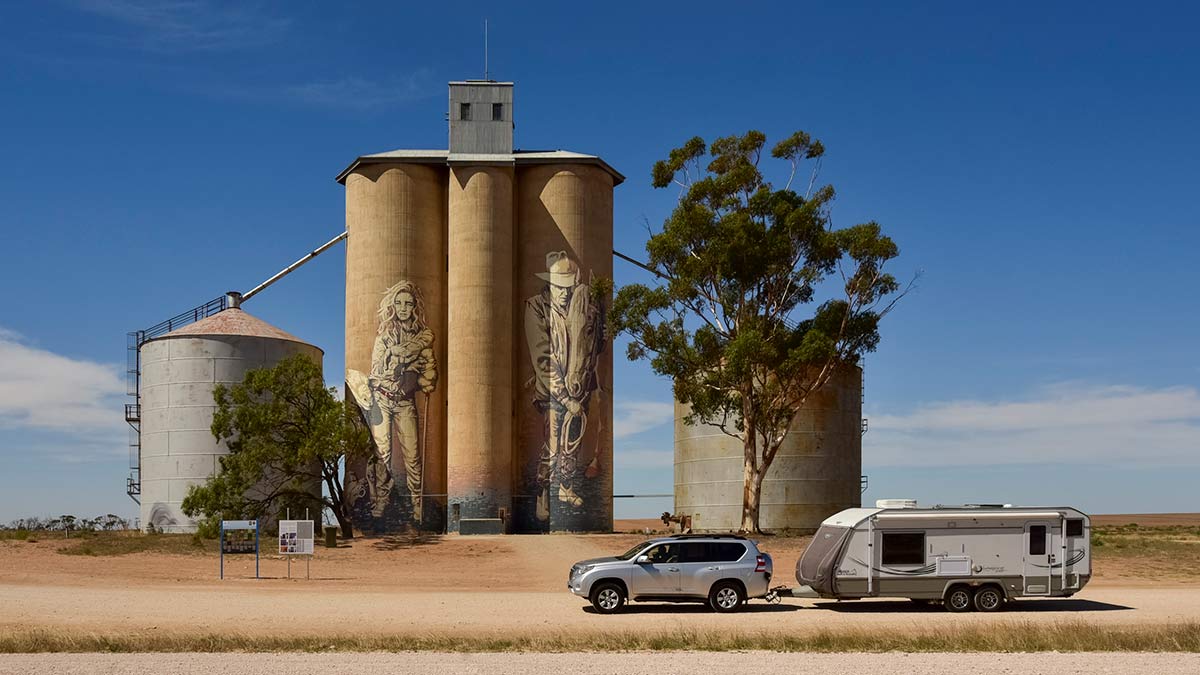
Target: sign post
x=296, y=537
x=236, y=539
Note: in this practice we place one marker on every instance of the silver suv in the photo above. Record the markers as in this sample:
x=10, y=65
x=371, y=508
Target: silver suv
x=721, y=570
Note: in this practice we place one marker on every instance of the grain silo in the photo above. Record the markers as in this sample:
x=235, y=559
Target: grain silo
x=495, y=407
x=564, y=457
x=396, y=296
x=179, y=371
x=816, y=473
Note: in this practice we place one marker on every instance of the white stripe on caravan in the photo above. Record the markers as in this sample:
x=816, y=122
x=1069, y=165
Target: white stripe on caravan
x=1011, y=515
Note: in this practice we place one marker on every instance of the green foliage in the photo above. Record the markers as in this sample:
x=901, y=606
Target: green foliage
x=736, y=322
x=287, y=435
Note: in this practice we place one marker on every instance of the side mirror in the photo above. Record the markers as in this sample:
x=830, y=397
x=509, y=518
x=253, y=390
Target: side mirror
x=643, y=559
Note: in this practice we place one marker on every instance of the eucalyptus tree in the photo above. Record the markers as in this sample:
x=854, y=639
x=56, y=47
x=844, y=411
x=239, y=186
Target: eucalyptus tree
x=759, y=298
x=287, y=435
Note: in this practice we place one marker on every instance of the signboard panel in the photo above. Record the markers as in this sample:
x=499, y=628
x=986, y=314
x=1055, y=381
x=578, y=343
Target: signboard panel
x=239, y=536
x=296, y=537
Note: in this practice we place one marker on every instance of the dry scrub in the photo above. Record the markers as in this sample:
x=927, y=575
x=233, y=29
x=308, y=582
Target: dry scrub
x=1015, y=637
x=1155, y=552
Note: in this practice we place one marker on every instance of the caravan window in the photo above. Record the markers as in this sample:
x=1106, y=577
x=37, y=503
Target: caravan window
x=1075, y=527
x=903, y=548
x=1037, y=540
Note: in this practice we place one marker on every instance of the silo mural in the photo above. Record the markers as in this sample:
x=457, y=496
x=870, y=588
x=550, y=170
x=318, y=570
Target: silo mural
x=564, y=329
x=403, y=375
x=563, y=400
x=395, y=344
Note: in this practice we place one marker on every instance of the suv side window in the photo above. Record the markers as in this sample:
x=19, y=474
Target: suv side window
x=711, y=551
x=664, y=553
x=696, y=552
x=728, y=551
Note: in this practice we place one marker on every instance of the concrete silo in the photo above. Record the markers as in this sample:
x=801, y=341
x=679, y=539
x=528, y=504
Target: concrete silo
x=517, y=423
x=396, y=340
x=563, y=469
x=178, y=373
x=816, y=473
x=480, y=325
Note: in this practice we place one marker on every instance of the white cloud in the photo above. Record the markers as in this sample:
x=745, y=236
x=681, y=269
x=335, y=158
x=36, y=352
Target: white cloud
x=190, y=25
x=633, y=417
x=1064, y=423
x=43, y=390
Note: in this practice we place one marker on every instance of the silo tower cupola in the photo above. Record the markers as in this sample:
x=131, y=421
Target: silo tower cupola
x=481, y=117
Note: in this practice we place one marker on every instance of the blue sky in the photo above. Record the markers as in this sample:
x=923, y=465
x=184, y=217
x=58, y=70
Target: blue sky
x=1037, y=163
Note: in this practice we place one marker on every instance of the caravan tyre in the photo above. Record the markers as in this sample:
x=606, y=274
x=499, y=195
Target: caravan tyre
x=989, y=599
x=959, y=599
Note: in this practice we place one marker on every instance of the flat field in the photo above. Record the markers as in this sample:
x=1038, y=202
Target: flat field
x=136, y=592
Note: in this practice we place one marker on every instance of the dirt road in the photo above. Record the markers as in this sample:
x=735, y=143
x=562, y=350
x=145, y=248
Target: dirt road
x=275, y=607
x=476, y=586
x=748, y=663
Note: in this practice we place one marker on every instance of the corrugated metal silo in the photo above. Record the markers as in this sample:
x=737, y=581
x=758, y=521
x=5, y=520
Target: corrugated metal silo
x=816, y=473
x=178, y=373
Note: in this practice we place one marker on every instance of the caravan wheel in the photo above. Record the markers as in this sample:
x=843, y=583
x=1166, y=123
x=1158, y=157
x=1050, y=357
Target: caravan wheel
x=988, y=599
x=959, y=599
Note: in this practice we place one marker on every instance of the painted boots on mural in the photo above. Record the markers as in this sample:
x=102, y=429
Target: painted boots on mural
x=567, y=496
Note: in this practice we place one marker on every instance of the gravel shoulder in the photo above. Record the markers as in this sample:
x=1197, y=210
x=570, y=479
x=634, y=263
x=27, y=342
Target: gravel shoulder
x=654, y=663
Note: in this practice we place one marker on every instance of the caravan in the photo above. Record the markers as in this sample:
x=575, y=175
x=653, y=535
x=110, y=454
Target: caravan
x=969, y=557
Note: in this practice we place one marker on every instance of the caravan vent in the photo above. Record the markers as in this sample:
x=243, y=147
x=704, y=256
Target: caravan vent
x=895, y=503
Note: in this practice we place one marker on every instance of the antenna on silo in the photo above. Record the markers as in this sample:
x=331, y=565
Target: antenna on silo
x=486, y=72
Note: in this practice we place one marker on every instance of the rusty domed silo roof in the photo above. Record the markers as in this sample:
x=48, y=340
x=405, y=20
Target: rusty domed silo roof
x=234, y=322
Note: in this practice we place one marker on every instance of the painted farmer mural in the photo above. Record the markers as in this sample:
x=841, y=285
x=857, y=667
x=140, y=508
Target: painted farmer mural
x=564, y=327
x=402, y=366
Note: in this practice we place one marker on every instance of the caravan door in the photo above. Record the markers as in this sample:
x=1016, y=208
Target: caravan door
x=1037, y=558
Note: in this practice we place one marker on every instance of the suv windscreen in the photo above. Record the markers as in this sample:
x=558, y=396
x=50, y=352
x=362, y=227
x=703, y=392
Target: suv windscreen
x=634, y=551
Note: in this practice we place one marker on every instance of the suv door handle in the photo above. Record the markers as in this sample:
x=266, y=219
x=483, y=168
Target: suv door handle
x=713, y=568
x=672, y=569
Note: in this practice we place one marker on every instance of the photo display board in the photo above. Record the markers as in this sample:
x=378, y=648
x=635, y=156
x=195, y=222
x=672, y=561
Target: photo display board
x=239, y=536
x=296, y=537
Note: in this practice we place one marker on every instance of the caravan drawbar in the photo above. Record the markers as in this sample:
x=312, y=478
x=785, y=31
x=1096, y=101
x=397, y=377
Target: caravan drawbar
x=969, y=557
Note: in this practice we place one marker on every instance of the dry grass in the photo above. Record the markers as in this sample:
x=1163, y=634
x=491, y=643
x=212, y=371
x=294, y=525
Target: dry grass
x=124, y=543
x=1020, y=637
x=1159, y=551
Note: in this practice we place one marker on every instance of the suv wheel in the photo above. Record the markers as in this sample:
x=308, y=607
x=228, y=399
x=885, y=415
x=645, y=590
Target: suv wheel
x=959, y=599
x=608, y=598
x=988, y=599
x=726, y=596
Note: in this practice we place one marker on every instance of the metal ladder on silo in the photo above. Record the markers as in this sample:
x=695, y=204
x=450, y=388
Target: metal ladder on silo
x=133, y=383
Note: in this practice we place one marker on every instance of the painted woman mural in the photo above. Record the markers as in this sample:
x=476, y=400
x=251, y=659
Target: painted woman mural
x=564, y=328
x=402, y=365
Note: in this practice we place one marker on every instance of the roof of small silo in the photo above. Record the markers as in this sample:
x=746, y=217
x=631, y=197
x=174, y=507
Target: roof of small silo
x=234, y=321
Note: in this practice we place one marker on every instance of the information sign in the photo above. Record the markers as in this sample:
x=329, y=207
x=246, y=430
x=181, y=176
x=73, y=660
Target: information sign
x=296, y=537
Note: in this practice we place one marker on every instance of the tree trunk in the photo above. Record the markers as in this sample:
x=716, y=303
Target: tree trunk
x=344, y=523
x=751, y=497
x=751, y=494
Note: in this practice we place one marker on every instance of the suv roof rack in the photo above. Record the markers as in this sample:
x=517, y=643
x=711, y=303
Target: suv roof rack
x=706, y=536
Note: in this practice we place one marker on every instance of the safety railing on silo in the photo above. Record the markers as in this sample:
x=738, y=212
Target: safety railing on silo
x=133, y=382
